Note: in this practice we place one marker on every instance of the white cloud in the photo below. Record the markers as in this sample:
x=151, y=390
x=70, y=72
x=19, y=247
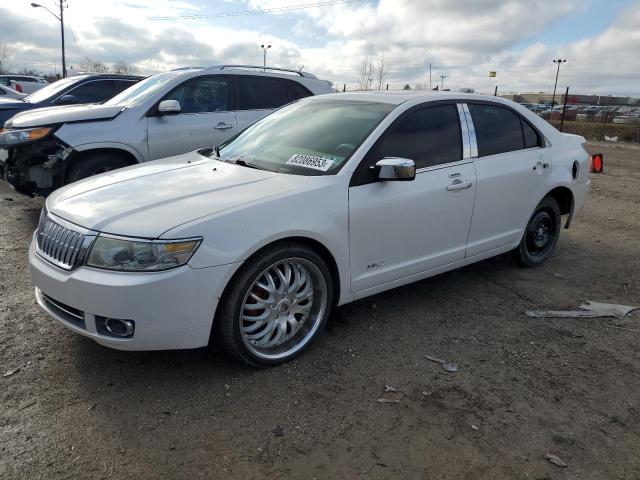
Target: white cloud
x=464, y=39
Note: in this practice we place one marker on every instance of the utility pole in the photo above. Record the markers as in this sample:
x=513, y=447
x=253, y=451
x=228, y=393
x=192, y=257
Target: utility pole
x=62, y=5
x=429, y=76
x=442, y=77
x=558, y=61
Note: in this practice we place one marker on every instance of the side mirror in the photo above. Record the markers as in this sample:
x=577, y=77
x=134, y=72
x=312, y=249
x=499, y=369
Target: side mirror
x=169, y=107
x=392, y=168
x=67, y=100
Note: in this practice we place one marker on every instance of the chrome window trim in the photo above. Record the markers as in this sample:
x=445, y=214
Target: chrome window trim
x=440, y=166
x=472, y=132
x=466, y=145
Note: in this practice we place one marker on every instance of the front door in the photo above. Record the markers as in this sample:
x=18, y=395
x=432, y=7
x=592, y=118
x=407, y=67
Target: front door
x=402, y=228
x=512, y=170
x=206, y=118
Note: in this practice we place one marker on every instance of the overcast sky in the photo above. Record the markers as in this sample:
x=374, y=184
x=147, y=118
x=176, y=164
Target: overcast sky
x=462, y=39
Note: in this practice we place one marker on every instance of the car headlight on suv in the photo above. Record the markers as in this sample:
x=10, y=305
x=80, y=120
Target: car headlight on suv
x=11, y=138
x=132, y=255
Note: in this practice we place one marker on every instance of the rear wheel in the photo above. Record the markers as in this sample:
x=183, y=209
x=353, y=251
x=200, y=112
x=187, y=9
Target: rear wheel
x=276, y=306
x=93, y=164
x=541, y=235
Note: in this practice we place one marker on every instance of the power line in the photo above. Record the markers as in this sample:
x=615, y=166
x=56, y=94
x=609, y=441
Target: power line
x=240, y=13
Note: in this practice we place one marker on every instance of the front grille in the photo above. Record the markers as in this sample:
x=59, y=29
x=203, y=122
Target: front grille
x=60, y=245
x=69, y=314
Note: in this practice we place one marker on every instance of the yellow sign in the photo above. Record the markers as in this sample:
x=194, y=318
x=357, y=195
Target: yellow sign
x=492, y=74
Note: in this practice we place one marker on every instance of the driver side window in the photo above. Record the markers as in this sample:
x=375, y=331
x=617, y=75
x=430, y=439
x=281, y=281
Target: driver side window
x=202, y=95
x=429, y=136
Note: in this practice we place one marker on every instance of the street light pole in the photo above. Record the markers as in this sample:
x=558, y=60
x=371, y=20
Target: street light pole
x=61, y=20
x=558, y=61
x=264, y=56
x=442, y=77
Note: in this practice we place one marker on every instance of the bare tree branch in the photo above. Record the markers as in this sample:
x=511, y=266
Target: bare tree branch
x=124, y=68
x=6, y=58
x=366, y=74
x=382, y=69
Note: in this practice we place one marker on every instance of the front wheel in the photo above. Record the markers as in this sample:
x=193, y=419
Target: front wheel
x=541, y=235
x=277, y=304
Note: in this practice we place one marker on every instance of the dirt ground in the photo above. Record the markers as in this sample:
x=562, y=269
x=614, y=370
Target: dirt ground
x=525, y=387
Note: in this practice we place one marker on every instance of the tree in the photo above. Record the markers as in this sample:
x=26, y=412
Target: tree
x=93, y=66
x=6, y=58
x=366, y=74
x=382, y=69
x=124, y=68
x=407, y=87
x=467, y=90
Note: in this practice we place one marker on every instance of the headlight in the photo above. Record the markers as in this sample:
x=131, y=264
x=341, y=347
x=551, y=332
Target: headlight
x=10, y=138
x=140, y=255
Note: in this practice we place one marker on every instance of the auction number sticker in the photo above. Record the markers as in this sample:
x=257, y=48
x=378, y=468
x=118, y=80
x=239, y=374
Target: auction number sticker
x=310, y=161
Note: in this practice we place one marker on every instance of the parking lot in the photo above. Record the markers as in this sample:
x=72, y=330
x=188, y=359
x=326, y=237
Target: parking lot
x=525, y=386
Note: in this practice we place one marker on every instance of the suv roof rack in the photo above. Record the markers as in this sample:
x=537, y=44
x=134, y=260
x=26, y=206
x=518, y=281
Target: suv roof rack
x=264, y=69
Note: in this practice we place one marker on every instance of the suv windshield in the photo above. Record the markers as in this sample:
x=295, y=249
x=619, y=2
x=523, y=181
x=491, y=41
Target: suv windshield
x=52, y=89
x=309, y=137
x=138, y=93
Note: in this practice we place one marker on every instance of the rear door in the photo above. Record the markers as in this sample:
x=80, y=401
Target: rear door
x=257, y=96
x=206, y=118
x=399, y=229
x=512, y=168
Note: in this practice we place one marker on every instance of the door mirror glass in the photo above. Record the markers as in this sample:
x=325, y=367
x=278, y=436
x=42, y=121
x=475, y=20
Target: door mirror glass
x=393, y=168
x=169, y=107
x=67, y=100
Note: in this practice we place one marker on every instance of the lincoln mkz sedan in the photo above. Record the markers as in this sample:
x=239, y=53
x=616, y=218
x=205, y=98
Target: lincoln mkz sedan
x=325, y=201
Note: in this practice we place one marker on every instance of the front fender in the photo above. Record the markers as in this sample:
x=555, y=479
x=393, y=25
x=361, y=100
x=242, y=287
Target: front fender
x=110, y=146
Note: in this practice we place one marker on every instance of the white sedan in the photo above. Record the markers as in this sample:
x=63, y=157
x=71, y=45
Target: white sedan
x=6, y=92
x=325, y=201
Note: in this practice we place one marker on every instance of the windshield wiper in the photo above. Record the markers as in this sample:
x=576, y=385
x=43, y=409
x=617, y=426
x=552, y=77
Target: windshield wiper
x=244, y=163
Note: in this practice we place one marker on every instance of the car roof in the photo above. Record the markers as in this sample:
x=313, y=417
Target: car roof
x=398, y=97
x=107, y=75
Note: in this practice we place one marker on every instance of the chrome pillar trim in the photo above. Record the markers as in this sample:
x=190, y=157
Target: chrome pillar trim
x=472, y=132
x=466, y=146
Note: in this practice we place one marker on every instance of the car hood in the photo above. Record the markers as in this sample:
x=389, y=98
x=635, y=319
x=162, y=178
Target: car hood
x=61, y=114
x=12, y=103
x=149, y=199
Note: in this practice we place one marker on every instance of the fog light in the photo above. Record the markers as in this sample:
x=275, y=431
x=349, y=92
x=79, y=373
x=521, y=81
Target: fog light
x=115, y=327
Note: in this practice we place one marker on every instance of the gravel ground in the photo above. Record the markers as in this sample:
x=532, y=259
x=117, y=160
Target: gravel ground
x=525, y=387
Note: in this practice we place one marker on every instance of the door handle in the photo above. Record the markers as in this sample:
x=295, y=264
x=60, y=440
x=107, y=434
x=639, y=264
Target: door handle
x=223, y=126
x=459, y=185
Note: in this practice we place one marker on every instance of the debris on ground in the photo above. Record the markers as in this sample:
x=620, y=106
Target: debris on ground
x=587, y=310
x=426, y=393
x=556, y=460
x=388, y=400
x=278, y=431
x=8, y=373
x=449, y=367
x=475, y=427
x=389, y=389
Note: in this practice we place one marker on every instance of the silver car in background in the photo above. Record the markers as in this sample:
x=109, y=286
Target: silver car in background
x=166, y=114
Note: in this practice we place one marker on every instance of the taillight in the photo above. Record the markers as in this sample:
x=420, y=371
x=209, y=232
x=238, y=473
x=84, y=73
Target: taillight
x=18, y=88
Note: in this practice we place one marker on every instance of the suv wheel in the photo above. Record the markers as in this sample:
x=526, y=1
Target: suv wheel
x=90, y=165
x=276, y=306
x=541, y=235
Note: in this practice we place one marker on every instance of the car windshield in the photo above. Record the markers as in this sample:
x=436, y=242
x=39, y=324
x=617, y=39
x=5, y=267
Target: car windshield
x=309, y=137
x=52, y=89
x=138, y=93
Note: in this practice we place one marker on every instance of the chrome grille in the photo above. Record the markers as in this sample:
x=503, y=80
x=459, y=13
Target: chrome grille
x=62, y=245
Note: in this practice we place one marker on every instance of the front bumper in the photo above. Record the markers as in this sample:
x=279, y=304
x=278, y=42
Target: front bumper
x=173, y=309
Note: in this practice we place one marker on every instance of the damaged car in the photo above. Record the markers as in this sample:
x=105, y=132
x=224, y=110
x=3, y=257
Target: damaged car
x=166, y=114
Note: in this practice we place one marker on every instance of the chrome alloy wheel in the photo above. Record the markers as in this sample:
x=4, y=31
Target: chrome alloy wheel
x=283, y=308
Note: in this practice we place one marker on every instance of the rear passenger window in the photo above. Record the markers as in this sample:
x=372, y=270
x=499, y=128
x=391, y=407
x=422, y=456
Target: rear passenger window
x=257, y=93
x=296, y=91
x=530, y=136
x=498, y=129
x=429, y=136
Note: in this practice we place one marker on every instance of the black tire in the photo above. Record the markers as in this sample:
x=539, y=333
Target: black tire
x=228, y=321
x=94, y=164
x=541, y=234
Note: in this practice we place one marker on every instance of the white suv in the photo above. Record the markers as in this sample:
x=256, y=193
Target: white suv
x=166, y=114
x=323, y=202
